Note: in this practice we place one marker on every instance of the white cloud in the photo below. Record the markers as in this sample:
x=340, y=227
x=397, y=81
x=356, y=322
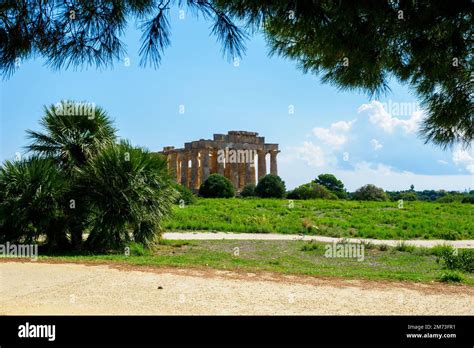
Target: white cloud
x=336, y=135
x=376, y=144
x=442, y=162
x=464, y=158
x=381, y=118
x=378, y=169
x=313, y=155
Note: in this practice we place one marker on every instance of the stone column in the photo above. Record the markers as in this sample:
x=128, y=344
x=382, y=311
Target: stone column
x=220, y=164
x=205, y=170
x=194, y=183
x=174, y=165
x=273, y=162
x=234, y=175
x=262, y=165
x=250, y=169
x=178, y=167
x=242, y=175
x=184, y=169
x=214, y=164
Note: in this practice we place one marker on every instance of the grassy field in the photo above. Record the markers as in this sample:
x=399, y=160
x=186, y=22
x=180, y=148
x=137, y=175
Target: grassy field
x=288, y=257
x=381, y=220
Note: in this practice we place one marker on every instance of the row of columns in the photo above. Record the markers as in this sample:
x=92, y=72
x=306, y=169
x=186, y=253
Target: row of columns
x=204, y=162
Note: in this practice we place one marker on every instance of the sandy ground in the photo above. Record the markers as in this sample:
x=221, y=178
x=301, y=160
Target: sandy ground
x=42, y=288
x=274, y=236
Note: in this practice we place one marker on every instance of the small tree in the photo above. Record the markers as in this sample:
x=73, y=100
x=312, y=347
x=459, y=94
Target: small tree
x=248, y=191
x=408, y=196
x=270, y=186
x=217, y=186
x=332, y=184
x=370, y=193
x=71, y=140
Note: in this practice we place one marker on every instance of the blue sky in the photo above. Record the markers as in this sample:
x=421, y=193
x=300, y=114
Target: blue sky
x=359, y=139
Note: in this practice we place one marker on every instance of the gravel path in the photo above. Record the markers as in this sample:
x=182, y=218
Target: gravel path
x=274, y=236
x=42, y=288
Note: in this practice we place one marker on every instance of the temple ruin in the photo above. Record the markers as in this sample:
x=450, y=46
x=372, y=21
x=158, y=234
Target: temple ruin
x=233, y=155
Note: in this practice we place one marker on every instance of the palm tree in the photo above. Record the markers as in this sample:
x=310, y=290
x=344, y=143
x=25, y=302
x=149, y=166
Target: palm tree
x=71, y=137
x=127, y=188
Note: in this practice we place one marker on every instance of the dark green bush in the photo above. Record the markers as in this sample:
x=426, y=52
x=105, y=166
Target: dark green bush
x=468, y=199
x=32, y=202
x=184, y=195
x=407, y=196
x=248, y=191
x=450, y=198
x=370, y=193
x=463, y=260
x=126, y=188
x=270, y=186
x=217, y=186
x=310, y=191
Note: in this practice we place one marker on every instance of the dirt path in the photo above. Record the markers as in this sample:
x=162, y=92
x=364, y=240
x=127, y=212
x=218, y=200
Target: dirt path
x=42, y=288
x=274, y=236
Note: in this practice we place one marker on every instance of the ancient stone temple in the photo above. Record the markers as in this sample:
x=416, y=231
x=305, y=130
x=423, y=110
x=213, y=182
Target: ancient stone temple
x=240, y=156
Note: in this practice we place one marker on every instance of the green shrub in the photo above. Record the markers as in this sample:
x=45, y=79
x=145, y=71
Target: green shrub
x=217, y=186
x=407, y=196
x=451, y=277
x=126, y=188
x=402, y=246
x=248, y=191
x=370, y=193
x=450, y=198
x=270, y=186
x=310, y=191
x=439, y=250
x=310, y=246
x=184, y=194
x=333, y=184
x=462, y=260
x=383, y=247
x=32, y=202
x=468, y=199
x=137, y=249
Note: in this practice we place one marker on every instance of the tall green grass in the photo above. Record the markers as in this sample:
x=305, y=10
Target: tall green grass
x=382, y=220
